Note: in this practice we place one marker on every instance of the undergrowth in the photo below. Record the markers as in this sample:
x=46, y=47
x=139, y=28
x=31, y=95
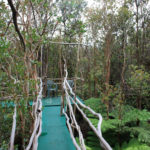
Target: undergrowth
x=130, y=132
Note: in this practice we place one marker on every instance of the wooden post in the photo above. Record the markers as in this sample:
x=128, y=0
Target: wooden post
x=62, y=103
x=75, y=80
x=61, y=74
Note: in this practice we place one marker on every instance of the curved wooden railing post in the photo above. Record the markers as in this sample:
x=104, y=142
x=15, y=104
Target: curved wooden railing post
x=38, y=121
x=77, y=102
x=12, y=138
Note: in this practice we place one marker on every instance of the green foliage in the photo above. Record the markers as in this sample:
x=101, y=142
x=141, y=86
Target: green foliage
x=4, y=146
x=133, y=144
x=90, y=145
x=130, y=44
x=6, y=114
x=130, y=114
x=126, y=126
x=4, y=15
x=140, y=133
x=111, y=124
x=139, y=85
x=71, y=17
x=97, y=105
x=134, y=121
x=139, y=80
x=92, y=141
x=4, y=45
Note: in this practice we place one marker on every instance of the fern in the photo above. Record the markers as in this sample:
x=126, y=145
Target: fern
x=90, y=145
x=111, y=124
x=130, y=114
x=134, y=144
x=126, y=127
x=141, y=133
x=92, y=141
x=97, y=105
x=135, y=114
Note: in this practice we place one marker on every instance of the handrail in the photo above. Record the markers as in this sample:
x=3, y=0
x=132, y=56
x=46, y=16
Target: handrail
x=12, y=138
x=97, y=130
x=73, y=120
x=38, y=120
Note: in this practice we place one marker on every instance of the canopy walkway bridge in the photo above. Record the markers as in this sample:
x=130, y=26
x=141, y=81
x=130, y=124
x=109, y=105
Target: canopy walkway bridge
x=59, y=122
x=55, y=121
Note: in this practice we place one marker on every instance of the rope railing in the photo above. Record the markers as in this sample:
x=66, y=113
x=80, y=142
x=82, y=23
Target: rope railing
x=97, y=130
x=37, y=105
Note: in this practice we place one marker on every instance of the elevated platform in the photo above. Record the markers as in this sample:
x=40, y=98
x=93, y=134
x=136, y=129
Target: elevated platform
x=54, y=101
x=51, y=101
x=55, y=134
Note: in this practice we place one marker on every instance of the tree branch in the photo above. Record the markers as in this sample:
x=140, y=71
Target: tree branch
x=14, y=16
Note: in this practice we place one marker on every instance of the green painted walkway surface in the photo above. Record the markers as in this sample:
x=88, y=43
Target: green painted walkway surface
x=55, y=134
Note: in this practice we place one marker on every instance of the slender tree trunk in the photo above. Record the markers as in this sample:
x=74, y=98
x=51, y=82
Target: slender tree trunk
x=137, y=30
x=124, y=59
x=107, y=66
x=143, y=39
x=94, y=66
x=44, y=69
x=61, y=75
x=89, y=76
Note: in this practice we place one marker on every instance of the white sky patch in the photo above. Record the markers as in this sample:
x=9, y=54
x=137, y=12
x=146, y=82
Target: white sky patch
x=91, y=3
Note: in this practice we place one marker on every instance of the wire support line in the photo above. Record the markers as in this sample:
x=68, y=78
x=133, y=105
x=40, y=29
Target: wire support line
x=66, y=43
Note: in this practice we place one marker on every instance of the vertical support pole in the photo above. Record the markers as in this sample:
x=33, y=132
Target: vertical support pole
x=76, y=73
x=75, y=80
x=62, y=102
x=61, y=74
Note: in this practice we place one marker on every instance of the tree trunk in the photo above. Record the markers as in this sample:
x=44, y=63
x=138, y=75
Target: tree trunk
x=94, y=66
x=107, y=66
x=137, y=30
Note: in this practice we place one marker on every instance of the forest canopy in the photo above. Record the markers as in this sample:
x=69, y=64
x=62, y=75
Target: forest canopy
x=106, y=46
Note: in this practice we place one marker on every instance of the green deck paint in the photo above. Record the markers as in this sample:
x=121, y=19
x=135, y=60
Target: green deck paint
x=51, y=101
x=55, y=134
